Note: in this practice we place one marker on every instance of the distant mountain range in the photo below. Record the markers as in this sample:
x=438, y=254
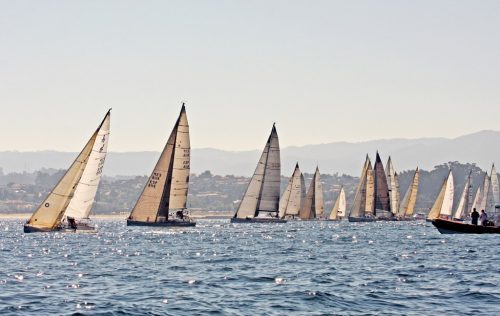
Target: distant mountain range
x=481, y=148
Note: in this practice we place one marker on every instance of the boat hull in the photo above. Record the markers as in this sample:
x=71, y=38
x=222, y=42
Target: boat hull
x=445, y=226
x=361, y=219
x=170, y=223
x=80, y=229
x=32, y=229
x=257, y=220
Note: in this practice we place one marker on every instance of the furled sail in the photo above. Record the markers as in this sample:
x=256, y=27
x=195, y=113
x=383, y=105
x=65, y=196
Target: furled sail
x=80, y=205
x=49, y=214
x=444, y=202
x=339, y=207
x=495, y=187
x=262, y=194
x=463, y=204
x=359, y=205
x=410, y=199
x=167, y=186
x=314, y=205
x=393, y=184
x=382, y=200
x=292, y=199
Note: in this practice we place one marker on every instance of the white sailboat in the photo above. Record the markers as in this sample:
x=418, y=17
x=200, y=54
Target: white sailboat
x=444, y=202
x=407, y=207
x=485, y=202
x=76, y=189
x=362, y=209
x=339, y=208
x=464, y=203
x=163, y=199
x=313, y=207
x=293, y=198
x=261, y=200
x=495, y=187
x=393, y=184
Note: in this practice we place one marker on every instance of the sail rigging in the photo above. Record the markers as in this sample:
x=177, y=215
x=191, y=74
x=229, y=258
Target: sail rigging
x=167, y=186
x=407, y=206
x=262, y=194
x=293, y=197
x=49, y=214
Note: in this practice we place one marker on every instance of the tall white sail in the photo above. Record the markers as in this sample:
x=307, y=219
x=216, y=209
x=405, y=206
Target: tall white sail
x=407, y=206
x=495, y=187
x=80, y=205
x=476, y=204
x=463, y=204
x=50, y=212
x=167, y=186
x=263, y=191
x=339, y=208
x=292, y=199
x=314, y=205
x=486, y=195
x=393, y=184
x=447, y=206
x=359, y=205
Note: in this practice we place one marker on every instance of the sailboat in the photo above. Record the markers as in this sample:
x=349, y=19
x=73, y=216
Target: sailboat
x=382, y=198
x=393, y=184
x=444, y=202
x=260, y=203
x=339, y=208
x=314, y=204
x=485, y=202
x=407, y=207
x=73, y=196
x=163, y=199
x=293, y=198
x=495, y=187
x=463, y=205
x=362, y=209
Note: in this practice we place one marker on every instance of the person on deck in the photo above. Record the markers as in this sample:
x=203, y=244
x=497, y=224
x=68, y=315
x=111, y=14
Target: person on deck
x=474, y=216
x=483, y=218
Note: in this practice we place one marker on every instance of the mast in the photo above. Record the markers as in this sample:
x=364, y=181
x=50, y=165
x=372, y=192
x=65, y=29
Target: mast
x=50, y=212
x=262, y=194
x=463, y=205
x=167, y=186
x=410, y=199
x=80, y=205
x=382, y=200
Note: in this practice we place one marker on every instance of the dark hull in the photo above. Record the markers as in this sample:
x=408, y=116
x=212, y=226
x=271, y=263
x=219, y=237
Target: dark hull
x=257, y=220
x=31, y=229
x=170, y=223
x=64, y=229
x=451, y=227
x=361, y=219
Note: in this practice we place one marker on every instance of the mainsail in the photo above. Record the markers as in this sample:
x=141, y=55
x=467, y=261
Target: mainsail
x=293, y=198
x=50, y=212
x=358, y=208
x=495, y=187
x=393, y=184
x=339, y=208
x=262, y=194
x=476, y=204
x=313, y=206
x=410, y=199
x=485, y=202
x=444, y=202
x=167, y=187
x=80, y=205
x=463, y=204
x=382, y=201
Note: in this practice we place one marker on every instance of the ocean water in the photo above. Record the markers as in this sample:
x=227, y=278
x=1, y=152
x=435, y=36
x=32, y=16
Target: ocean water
x=218, y=268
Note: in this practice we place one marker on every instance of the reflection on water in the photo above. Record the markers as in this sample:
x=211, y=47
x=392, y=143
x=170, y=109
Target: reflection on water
x=218, y=267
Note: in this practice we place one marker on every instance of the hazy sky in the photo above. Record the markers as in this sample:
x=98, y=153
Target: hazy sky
x=324, y=71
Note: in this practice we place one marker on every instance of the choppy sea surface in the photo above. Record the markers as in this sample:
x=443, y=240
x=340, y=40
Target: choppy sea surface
x=218, y=268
